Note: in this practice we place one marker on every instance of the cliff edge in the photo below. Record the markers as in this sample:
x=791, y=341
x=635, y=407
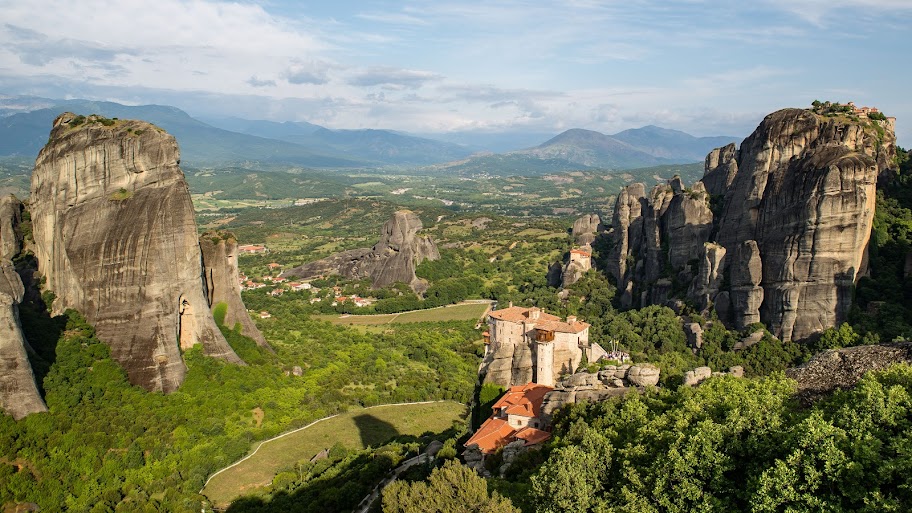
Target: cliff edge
x=775, y=232
x=116, y=239
x=18, y=392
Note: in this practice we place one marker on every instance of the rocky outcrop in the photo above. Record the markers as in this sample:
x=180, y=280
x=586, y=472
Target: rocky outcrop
x=116, y=239
x=18, y=392
x=393, y=259
x=610, y=381
x=220, y=273
x=578, y=264
x=627, y=232
x=586, y=228
x=700, y=374
x=746, y=295
x=842, y=368
x=788, y=217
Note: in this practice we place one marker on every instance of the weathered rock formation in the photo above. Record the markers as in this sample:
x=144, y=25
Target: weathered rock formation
x=220, y=272
x=842, y=368
x=611, y=381
x=393, y=259
x=18, y=392
x=700, y=374
x=116, y=239
x=775, y=232
x=586, y=228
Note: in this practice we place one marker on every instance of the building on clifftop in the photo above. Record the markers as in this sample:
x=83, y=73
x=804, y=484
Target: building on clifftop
x=526, y=345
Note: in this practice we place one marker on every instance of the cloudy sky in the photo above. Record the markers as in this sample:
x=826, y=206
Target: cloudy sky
x=703, y=66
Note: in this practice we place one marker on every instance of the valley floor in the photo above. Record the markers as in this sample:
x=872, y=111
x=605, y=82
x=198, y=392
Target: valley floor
x=355, y=429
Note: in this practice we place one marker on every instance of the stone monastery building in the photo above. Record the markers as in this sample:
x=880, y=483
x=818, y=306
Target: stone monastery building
x=527, y=345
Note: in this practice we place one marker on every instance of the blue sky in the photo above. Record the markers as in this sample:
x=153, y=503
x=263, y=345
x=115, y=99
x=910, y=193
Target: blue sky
x=706, y=67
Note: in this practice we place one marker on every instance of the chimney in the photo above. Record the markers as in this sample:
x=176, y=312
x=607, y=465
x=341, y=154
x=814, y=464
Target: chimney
x=534, y=312
x=511, y=304
x=571, y=319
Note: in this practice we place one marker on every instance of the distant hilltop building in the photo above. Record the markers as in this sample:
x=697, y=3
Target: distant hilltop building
x=516, y=416
x=524, y=345
x=252, y=248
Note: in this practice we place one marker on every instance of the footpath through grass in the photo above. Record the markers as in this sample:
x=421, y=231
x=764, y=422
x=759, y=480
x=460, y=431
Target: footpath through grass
x=355, y=429
x=458, y=312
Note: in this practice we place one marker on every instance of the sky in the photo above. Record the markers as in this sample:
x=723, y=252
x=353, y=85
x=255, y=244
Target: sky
x=704, y=67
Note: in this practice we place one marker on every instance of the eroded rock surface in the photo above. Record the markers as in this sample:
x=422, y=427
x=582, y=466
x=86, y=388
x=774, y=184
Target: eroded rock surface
x=586, y=228
x=842, y=368
x=393, y=259
x=116, y=239
x=788, y=216
x=18, y=392
x=220, y=266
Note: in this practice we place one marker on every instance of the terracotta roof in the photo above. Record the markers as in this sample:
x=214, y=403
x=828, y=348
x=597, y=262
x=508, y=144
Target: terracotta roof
x=520, y=314
x=532, y=436
x=562, y=327
x=581, y=252
x=545, y=321
x=523, y=399
x=492, y=434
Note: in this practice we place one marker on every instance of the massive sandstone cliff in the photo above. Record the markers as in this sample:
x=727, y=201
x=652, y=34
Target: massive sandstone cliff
x=18, y=393
x=116, y=239
x=393, y=259
x=220, y=266
x=776, y=231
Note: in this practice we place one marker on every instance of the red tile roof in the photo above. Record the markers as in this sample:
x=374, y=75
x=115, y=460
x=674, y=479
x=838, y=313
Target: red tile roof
x=520, y=314
x=545, y=321
x=523, y=400
x=532, y=436
x=493, y=434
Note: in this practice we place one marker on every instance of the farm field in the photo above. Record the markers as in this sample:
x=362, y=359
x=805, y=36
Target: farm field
x=459, y=312
x=355, y=429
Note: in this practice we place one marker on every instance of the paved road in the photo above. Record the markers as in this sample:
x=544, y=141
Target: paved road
x=393, y=475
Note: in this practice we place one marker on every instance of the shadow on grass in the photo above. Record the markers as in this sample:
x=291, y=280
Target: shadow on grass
x=374, y=431
x=340, y=482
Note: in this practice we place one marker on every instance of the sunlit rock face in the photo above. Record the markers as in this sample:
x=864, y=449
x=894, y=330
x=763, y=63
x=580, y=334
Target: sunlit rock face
x=220, y=265
x=393, y=259
x=788, y=216
x=18, y=392
x=116, y=239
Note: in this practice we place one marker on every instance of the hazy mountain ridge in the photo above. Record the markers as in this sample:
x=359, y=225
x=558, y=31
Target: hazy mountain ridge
x=237, y=141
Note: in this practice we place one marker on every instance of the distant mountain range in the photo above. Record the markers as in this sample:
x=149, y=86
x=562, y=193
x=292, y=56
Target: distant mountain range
x=25, y=123
x=585, y=149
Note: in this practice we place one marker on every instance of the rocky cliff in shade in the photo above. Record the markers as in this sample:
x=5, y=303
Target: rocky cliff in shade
x=116, y=239
x=393, y=259
x=220, y=266
x=776, y=231
x=18, y=392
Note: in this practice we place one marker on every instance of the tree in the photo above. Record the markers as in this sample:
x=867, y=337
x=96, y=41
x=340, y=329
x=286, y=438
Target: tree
x=452, y=488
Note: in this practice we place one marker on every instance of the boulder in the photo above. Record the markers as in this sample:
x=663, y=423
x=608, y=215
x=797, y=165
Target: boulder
x=643, y=375
x=694, y=333
x=116, y=239
x=696, y=376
